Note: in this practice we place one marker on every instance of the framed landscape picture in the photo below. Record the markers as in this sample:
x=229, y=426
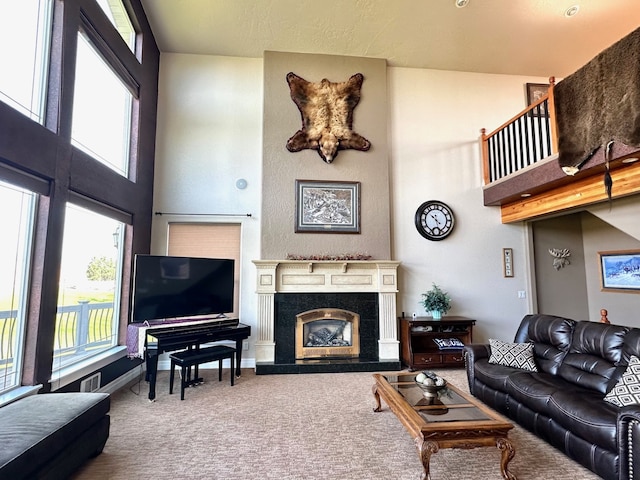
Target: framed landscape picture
x=620, y=271
x=327, y=207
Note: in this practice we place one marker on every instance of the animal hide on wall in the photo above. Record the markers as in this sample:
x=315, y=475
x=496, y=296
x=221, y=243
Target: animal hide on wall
x=599, y=103
x=327, y=116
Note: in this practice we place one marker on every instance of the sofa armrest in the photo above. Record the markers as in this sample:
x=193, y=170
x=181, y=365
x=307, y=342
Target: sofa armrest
x=472, y=353
x=629, y=441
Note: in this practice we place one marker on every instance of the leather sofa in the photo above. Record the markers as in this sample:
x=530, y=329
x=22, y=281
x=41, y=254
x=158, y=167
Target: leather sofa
x=578, y=363
x=48, y=436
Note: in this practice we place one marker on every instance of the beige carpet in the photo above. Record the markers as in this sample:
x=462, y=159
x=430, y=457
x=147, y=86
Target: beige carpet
x=291, y=427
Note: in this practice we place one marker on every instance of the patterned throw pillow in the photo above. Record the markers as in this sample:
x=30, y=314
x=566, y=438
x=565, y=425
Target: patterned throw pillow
x=627, y=390
x=517, y=355
x=448, y=343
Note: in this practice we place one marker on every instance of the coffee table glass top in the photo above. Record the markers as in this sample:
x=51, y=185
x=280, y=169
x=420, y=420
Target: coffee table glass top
x=448, y=405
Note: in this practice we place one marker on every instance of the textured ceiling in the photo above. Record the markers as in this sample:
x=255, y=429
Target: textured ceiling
x=520, y=37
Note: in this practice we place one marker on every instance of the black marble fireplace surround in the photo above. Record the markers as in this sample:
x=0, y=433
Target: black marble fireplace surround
x=288, y=305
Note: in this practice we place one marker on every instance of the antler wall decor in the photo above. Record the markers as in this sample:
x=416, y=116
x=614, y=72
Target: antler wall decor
x=560, y=257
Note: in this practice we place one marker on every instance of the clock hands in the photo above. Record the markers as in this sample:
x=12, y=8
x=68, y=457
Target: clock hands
x=435, y=218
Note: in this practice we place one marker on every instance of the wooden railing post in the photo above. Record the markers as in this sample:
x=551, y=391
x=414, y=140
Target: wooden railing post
x=486, y=174
x=551, y=106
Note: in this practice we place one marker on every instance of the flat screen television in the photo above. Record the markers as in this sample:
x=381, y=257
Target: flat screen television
x=166, y=287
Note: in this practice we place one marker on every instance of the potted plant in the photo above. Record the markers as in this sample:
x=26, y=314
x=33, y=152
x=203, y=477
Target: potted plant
x=436, y=302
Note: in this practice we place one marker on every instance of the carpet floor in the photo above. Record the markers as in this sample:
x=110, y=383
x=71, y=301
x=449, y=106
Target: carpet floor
x=291, y=427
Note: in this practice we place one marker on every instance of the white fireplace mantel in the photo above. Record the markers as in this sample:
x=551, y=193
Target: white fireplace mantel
x=318, y=276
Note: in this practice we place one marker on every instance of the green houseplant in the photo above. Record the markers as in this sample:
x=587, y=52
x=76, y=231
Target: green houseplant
x=436, y=302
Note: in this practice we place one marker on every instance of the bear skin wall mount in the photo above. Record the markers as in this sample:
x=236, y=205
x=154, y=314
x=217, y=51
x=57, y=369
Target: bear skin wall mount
x=327, y=116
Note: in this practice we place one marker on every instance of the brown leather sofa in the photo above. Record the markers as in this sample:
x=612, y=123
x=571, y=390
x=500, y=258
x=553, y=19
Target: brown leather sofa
x=578, y=363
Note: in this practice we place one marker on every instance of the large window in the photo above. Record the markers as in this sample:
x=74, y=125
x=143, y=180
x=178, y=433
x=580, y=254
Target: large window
x=88, y=300
x=17, y=216
x=25, y=29
x=101, y=110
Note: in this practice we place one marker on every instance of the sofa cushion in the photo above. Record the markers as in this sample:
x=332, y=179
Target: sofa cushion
x=492, y=375
x=517, y=355
x=551, y=337
x=534, y=389
x=627, y=390
x=585, y=414
x=60, y=417
x=596, y=349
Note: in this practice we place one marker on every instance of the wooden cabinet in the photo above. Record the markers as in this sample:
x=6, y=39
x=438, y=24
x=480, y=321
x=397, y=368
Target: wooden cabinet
x=420, y=351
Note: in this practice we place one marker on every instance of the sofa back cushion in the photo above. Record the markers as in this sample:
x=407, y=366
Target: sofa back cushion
x=551, y=337
x=595, y=351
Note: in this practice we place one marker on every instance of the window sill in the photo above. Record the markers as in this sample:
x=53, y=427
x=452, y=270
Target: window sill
x=79, y=370
x=18, y=393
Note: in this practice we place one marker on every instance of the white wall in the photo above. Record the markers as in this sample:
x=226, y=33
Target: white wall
x=435, y=121
x=209, y=134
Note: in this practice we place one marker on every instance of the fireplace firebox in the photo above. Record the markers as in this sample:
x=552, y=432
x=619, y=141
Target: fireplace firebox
x=327, y=332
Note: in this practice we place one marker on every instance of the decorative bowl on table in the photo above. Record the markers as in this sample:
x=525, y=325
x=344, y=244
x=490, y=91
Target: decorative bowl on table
x=430, y=383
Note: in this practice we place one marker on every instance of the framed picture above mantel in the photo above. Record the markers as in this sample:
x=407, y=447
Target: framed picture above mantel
x=327, y=207
x=620, y=271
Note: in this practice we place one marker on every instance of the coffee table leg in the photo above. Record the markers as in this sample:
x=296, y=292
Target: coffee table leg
x=374, y=390
x=425, y=450
x=508, y=452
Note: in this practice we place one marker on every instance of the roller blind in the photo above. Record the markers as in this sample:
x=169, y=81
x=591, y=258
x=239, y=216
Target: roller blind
x=208, y=240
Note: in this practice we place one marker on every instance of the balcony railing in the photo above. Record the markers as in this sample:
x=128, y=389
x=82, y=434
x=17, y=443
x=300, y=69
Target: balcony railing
x=522, y=141
x=79, y=329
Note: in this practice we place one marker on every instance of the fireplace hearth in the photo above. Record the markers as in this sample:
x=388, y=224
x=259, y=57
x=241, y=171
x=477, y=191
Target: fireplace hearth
x=291, y=293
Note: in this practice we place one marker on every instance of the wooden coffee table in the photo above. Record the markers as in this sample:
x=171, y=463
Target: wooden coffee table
x=450, y=419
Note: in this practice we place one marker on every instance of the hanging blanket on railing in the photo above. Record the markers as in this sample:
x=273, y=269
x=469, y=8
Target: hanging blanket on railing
x=599, y=103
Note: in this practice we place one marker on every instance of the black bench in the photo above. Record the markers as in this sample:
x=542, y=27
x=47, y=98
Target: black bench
x=190, y=358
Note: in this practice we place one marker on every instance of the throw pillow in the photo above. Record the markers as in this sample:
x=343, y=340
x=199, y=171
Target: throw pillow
x=448, y=343
x=517, y=355
x=627, y=390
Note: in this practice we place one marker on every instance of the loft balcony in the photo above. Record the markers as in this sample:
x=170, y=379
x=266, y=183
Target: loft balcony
x=521, y=158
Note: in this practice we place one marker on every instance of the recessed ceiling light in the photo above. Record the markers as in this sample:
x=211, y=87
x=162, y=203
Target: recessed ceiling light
x=630, y=160
x=525, y=195
x=462, y=3
x=572, y=11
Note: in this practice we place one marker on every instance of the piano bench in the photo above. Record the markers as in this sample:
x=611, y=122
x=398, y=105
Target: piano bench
x=189, y=358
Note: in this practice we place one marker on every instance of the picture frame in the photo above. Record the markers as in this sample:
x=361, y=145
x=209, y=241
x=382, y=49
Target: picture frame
x=327, y=207
x=507, y=262
x=534, y=92
x=620, y=271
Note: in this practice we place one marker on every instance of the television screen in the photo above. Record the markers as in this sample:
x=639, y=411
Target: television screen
x=174, y=287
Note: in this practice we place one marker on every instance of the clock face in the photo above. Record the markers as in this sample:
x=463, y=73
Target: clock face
x=434, y=220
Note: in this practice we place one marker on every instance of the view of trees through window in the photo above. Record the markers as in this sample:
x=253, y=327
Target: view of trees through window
x=89, y=285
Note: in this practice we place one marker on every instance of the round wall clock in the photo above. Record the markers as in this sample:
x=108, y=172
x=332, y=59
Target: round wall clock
x=434, y=220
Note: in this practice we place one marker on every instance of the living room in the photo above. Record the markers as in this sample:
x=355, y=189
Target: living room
x=225, y=117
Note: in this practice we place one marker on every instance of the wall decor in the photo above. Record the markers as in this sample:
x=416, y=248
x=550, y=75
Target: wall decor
x=560, y=259
x=327, y=207
x=507, y=262
x=326, y=109
x=434, y=220
x=620, y=271
x=535, y=91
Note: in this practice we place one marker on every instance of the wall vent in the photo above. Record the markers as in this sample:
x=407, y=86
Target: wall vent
x=91, y=384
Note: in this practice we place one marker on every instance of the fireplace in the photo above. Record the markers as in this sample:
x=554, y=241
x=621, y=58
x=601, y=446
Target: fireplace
x=327, y=332
x=354, y=299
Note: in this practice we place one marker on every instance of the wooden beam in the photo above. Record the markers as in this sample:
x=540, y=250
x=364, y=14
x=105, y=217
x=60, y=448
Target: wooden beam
x=582, y=192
